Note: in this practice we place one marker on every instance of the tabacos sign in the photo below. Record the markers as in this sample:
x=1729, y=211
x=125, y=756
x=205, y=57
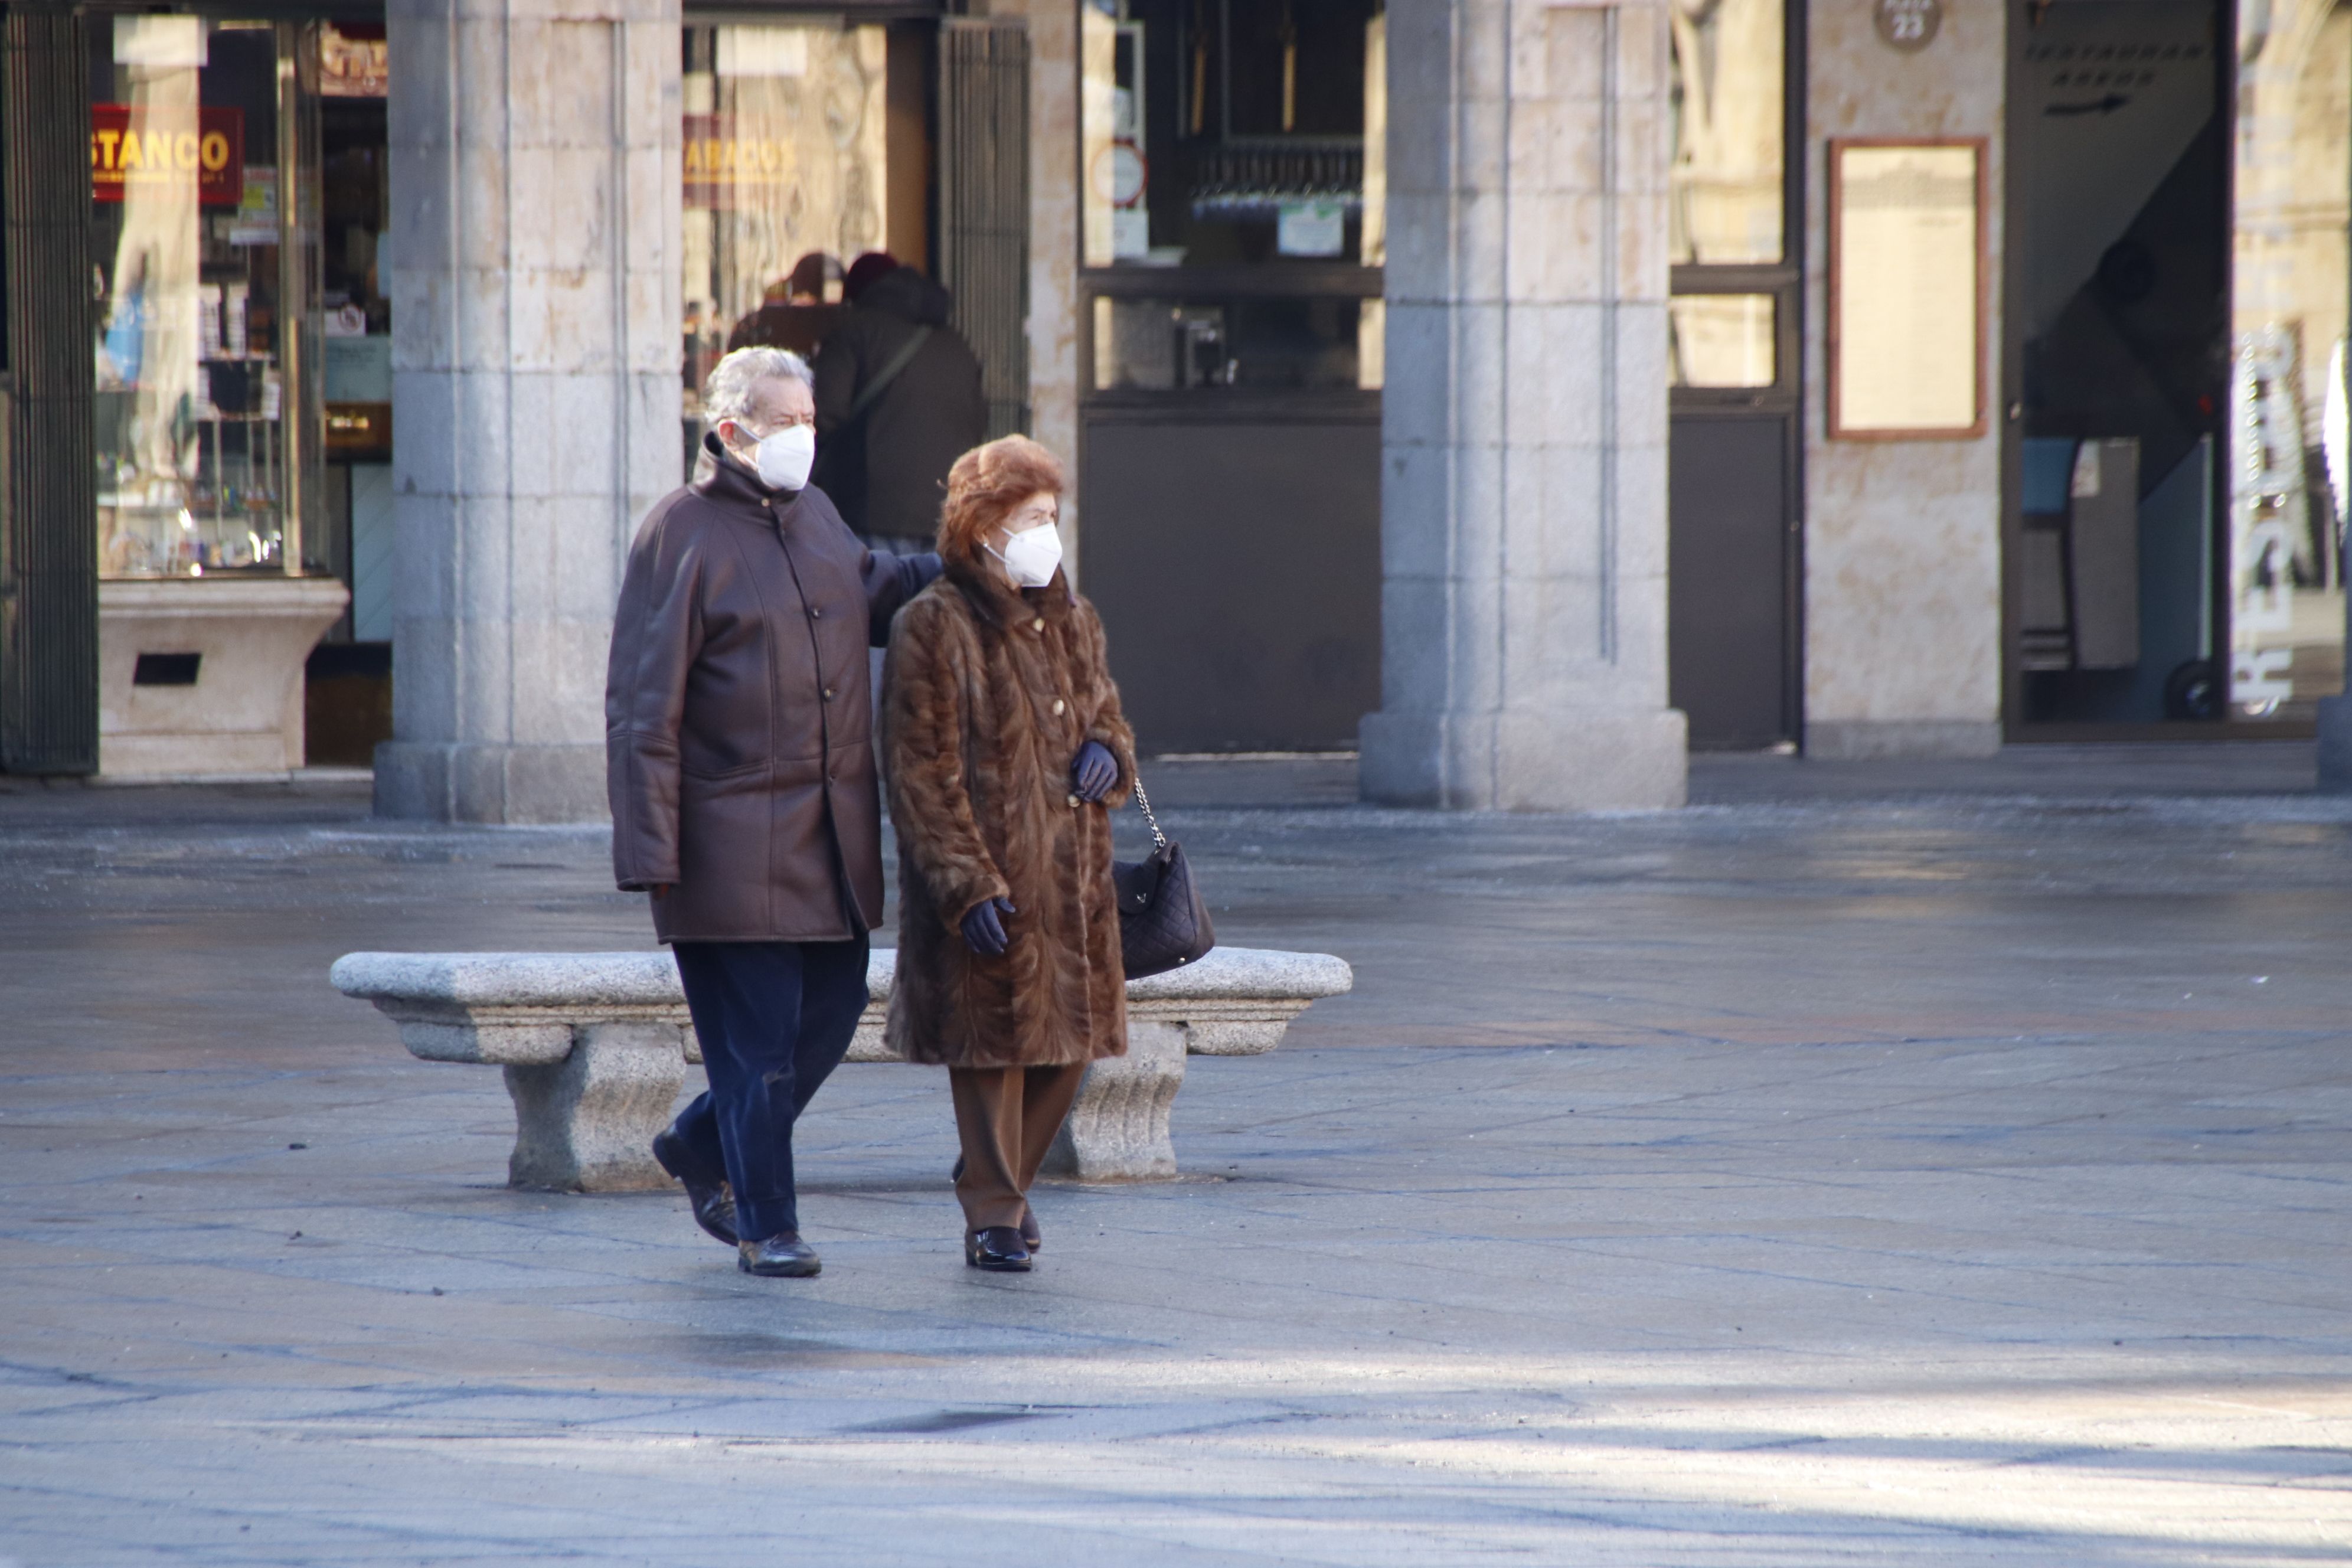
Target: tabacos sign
x=130, y=152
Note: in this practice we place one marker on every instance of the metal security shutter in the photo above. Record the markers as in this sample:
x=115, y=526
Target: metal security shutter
x=48, y=504
x=984, y=220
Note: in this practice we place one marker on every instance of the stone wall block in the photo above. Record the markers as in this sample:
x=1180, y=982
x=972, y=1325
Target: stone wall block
x=419, y=40
x=1482, y=247
x=1556, y=246
x=1419, y=166
x=579, y=1124
x=1554, y=389
x=481, y=302
x=1640, y=149
x=1640, y=411
x=484, y=410
x=561, y=84
x=1642, y=248
x=1640, y=480
x=1416, y=500
x=1421, y=250
x=1481, y=470
x=1417, y=403
x=1575, y=44
x=1415, y=615
x=583, y=415
x=1567, y=480
x=1565, y=143
x=1643, y=53
x=424, y=412
x=1482, y=54
x=1420, y=52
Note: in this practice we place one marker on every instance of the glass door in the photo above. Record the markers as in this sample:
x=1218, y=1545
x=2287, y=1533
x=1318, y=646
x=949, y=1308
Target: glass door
x=1732, y=326
x=2289, y=466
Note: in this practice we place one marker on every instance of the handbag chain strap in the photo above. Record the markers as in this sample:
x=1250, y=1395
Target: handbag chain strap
x=1144, y=801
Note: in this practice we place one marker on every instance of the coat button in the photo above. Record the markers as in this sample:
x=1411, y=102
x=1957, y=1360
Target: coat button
x=1058, y=706
x=828, y=694
x=1074, y=800
x=815, y=613
x=1038, y=625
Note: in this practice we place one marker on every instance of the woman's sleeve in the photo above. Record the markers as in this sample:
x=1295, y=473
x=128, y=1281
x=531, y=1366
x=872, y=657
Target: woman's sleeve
x=922, y=750
x=1109, y=724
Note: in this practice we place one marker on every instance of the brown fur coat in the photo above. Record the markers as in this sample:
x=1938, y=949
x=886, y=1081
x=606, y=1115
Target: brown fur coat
x=987, y=696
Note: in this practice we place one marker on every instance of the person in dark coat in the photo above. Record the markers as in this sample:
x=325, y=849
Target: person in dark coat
x=898, y=399
x=740, y=765
x=1005, y=749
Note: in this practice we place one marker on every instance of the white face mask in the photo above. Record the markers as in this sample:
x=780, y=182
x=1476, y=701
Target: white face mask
x=786, y=456
x=1032, y=555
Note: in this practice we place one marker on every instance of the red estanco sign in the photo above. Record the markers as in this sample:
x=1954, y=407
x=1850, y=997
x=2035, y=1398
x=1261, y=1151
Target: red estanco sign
x=128, y=154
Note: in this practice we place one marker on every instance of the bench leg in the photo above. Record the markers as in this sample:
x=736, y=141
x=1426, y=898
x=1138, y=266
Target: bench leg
x=586, y=1124
x=1117, y=1131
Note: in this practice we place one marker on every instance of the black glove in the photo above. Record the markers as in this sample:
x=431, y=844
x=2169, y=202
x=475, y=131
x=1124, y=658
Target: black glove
x=1094, y=772
x=983, y=931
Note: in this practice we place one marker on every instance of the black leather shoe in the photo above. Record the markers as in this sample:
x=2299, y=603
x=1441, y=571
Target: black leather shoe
x=714, y=1204
x=784, y=1257
x=998, y=1248
x=1030, y=1236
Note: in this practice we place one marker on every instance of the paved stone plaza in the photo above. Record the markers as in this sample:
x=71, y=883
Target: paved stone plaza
x=1874, y=1166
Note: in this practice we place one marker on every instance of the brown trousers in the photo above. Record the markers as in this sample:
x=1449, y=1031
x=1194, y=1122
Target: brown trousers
x=1006, y=1119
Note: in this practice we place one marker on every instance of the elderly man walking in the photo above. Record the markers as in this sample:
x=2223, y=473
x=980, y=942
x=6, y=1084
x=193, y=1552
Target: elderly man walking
x=740, y=764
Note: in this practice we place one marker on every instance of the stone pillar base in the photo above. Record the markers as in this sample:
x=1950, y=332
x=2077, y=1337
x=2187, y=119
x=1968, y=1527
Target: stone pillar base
x=504, y=784
x=1117, y=1131
x=1576, y=759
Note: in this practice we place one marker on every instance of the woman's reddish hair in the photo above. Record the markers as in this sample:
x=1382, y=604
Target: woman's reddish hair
x=985, y=486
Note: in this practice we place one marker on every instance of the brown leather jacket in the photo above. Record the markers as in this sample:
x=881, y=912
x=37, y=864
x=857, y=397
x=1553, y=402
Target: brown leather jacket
x=738, y=715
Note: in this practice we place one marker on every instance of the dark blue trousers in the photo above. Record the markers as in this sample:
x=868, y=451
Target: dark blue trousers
x=774, y=1019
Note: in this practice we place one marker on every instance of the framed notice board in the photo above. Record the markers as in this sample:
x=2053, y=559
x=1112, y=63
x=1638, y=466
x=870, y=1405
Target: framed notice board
x=1907, y=275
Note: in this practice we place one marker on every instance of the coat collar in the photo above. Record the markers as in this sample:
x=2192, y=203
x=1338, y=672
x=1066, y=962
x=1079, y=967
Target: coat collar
x=999, y=604
x=736, y=487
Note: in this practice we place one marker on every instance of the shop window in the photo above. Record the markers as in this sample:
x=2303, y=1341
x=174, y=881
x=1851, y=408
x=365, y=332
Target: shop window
x=1298, y=344
x=201, y=453
x=2290, y=461
x=1725, y=341
x=1224, y=132
x=1729, y=127
x=787, y=172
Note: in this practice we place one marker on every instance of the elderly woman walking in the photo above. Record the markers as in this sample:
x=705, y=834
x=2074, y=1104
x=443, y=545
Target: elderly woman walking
x=1005, y=748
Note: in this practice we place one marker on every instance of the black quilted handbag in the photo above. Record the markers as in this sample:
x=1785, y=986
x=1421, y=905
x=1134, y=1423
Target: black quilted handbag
x=1162, y=923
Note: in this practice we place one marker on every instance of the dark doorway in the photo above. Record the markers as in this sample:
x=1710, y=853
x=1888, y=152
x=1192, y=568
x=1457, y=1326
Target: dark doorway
x=1729, y=662
x=2117, y=313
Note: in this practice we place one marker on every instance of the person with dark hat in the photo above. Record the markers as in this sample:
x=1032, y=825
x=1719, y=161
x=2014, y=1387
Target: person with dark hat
x=898, y=400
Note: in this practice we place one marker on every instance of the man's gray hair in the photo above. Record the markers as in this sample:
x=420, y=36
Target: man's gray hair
x=728, y=394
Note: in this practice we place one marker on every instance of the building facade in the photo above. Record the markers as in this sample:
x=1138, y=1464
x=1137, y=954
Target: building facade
x=1520, y=394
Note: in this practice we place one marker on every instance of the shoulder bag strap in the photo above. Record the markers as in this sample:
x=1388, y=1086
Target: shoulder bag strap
x=889, y=373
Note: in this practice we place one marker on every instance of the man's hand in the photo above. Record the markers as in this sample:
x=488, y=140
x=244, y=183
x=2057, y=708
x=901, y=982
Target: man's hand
x=983, y=930
x=1093, y=771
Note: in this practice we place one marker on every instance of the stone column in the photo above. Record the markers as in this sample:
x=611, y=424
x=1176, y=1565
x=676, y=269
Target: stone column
x=1523, y=490
x=534, y=150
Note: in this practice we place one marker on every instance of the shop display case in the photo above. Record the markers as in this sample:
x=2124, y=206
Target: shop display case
x=208, y=420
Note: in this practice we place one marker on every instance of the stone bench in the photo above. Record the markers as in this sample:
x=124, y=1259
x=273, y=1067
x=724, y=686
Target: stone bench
x=595, y=1047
